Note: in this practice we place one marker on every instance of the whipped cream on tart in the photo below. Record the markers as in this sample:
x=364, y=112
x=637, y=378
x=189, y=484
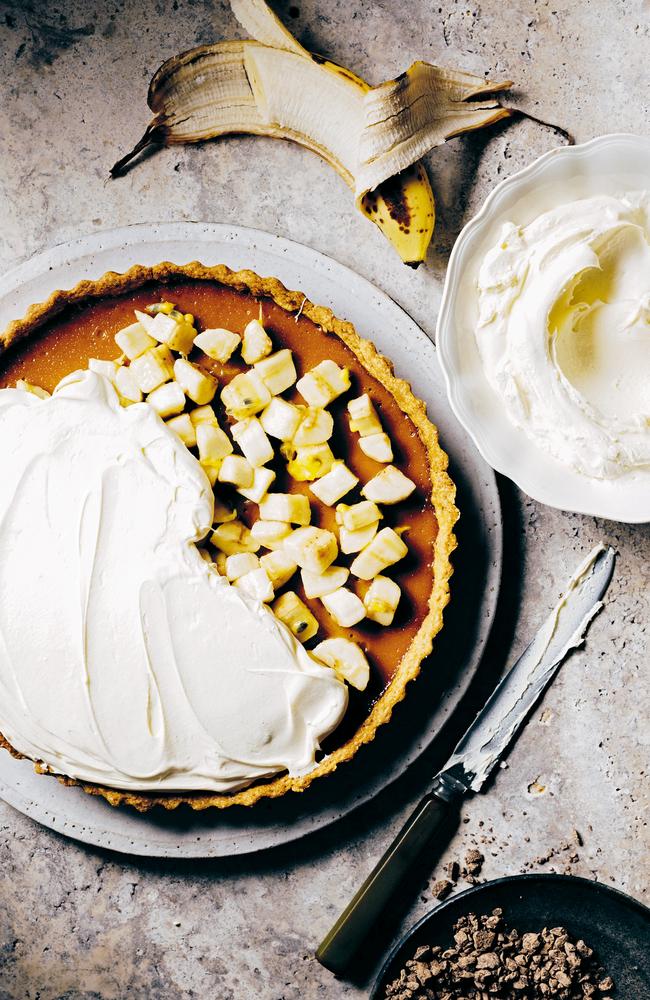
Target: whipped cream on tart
x=225, y=537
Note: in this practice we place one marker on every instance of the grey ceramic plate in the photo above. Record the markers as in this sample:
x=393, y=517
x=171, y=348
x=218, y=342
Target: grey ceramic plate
x=616, y=926
x=474, y=586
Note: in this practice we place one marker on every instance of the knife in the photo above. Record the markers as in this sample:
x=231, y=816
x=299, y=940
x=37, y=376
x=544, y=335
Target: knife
x=475, y=756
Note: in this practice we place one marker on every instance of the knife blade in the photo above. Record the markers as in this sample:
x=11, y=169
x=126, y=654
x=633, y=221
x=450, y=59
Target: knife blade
x=480, y=749
x=476, y=754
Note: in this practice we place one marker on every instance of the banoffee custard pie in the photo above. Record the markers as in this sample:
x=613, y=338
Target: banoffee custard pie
x=225, y=530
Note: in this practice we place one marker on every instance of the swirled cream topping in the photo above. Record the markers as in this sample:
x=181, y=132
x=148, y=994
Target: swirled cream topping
x=564, y=331
x=125, y=659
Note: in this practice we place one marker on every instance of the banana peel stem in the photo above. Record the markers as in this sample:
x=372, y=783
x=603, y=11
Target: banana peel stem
x=155, y=135
x=570, y=140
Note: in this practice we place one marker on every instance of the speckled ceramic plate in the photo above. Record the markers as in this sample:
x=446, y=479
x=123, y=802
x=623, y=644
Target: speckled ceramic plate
x=474, y=585
x=616, y=926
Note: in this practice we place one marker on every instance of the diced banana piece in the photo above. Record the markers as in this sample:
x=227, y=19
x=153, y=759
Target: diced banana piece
x=291, y=507
x=347, y=659
x=181, y=338
x=384, y=550
x=263, y=478
x=271, y=534
x=310, y=462
x=147, y=319
x=183, y=426
x=256, y=343
x=171, y=330
x=237, y=470
x=344, y=606
x=106, y=368
x=218, y=344
x=234, y=537
x=355, y=541
x=245, y=395
x=134, y=340
x=359, y=515
x=251, y=438
x=34, y=389
x=314, y=549
x=363, y=416
x=278, y=371
x=204, y=415
x=316, y=426
x=161, y=307
x=213, y=443
x=207, y=556
x=314, y=390
x=127, y=386
x=211, y=471
x=257, y=585
x=279, y=566
x=153, y=368
x=222, y=512
x=280, y=419
x=377, y=447
x=341, y=510
x=198, y=385
x=240, y=563
x=324, y=383
x=381, y=600
x=318, y=584
x=388, y=486
x=296, y=616
x=168, y=399
x=335, y=484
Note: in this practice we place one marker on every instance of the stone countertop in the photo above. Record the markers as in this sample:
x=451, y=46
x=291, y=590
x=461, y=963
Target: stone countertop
x=79, y=923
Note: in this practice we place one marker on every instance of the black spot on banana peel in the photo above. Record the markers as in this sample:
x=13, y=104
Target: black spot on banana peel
x=396, y=204
x=403, y=208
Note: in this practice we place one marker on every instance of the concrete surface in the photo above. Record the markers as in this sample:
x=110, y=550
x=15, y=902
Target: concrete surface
x=80, y=924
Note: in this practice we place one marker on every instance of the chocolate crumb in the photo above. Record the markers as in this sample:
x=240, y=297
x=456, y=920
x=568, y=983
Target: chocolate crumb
x=490, y=961
x=453, y=871
x=472, y=866
x=442, y=888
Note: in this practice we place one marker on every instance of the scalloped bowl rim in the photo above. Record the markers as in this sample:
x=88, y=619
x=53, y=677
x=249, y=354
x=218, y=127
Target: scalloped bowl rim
x=506, y=448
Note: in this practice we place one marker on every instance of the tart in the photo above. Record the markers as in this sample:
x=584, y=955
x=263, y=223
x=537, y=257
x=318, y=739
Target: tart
x=332, y=502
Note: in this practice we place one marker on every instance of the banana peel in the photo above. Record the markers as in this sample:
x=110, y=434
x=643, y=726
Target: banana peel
x=262, y=24
x=374, y=137
x=403, y=208
x=407, y=117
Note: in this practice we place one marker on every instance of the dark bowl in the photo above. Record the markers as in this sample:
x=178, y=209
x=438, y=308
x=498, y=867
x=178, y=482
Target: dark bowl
x=616, y=926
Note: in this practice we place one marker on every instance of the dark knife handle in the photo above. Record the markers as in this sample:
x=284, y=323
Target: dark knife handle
x=340, y=945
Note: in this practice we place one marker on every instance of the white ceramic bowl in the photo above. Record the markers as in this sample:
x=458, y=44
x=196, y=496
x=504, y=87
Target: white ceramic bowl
x=611, y=164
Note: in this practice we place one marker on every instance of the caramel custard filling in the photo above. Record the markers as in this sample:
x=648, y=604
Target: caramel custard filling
x=66, y=343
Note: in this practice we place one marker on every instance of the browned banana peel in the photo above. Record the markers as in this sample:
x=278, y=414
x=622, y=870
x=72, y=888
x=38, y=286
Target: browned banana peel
x=367, y=134
x=371, y=135
x=422, y=108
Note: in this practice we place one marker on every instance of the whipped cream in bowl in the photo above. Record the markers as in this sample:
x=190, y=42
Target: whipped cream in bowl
x=564, y=331
x=544, y=330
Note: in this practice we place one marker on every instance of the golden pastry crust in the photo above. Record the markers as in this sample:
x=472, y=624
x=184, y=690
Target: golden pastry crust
x=442, y=498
